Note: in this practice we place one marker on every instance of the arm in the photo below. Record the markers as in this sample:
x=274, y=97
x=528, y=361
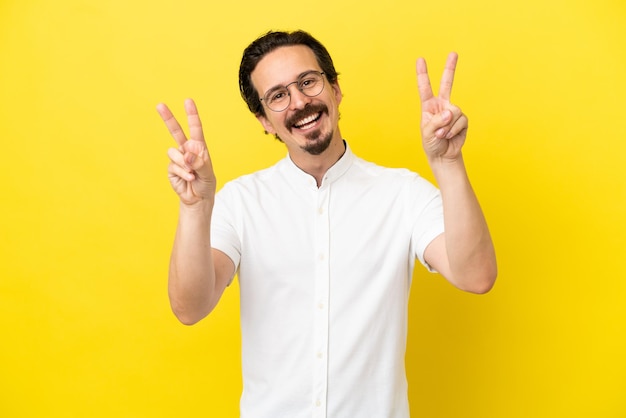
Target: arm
x=464, y=254
x=198, y=274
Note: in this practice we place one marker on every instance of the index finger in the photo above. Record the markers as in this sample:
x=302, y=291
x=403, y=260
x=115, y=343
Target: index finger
x=445, y=88
x=423, y=81
x=193, y=119
x=172, y=124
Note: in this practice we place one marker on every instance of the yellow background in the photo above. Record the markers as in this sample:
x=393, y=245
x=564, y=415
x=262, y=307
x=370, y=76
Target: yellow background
x=88, y=216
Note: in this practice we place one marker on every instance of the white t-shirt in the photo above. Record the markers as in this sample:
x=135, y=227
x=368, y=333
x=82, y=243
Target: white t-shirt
x=324, y=276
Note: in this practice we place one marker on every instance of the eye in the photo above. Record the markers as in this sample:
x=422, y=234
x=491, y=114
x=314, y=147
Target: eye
x=277, y=96
x=308, y=82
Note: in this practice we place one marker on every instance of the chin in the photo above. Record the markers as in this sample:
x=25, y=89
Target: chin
x=317, y=143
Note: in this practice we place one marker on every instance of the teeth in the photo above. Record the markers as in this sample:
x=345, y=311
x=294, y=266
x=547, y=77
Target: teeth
x=306, y=121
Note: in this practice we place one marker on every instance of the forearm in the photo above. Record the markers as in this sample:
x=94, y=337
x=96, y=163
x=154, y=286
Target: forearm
x=192, y=275
x=469, y=248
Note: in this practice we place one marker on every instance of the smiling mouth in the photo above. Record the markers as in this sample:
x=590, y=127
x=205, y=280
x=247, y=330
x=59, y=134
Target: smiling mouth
x=307, y=122
x=306, y=118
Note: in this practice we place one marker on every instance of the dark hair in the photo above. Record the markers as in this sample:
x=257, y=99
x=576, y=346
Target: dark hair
x=266, y=44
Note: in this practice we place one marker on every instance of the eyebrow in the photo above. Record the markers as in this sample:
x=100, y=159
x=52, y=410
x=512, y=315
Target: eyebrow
x=280, y=86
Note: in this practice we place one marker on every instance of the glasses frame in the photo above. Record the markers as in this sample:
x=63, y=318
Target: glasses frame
x=297, y=83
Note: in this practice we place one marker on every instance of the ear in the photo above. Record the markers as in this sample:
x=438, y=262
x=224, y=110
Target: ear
x=267, y=125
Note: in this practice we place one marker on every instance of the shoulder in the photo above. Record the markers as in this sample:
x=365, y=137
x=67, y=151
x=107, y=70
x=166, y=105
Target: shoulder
x=397, y=184
x=252, y=180
x=375, y=171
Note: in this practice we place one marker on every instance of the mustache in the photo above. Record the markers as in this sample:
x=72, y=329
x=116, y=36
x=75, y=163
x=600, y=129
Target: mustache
x=303, y=113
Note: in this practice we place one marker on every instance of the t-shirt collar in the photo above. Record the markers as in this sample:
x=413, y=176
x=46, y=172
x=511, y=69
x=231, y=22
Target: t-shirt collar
x=332, y=174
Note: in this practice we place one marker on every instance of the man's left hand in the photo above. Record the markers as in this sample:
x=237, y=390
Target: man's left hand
x=443, y=125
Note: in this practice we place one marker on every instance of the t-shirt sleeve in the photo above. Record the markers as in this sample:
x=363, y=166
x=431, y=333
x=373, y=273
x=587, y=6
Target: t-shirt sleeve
x=428, y=224
x=226, y=224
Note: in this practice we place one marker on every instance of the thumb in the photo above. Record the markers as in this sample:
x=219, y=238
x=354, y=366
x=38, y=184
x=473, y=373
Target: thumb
x=200, y=163
x=195, y=154
x=442, y=119
x=436, y=125
x=190, y=158
x=195, y=159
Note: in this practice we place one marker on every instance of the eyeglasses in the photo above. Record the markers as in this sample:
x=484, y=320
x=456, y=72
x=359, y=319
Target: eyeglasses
x=310, y=84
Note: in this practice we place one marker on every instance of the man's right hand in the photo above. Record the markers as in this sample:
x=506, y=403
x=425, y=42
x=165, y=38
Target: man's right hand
x=190, y=170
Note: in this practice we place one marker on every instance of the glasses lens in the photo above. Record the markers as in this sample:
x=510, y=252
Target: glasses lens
x=277, y=99
x=310, y=84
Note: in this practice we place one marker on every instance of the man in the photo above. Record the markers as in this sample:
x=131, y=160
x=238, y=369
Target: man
x=324, y=243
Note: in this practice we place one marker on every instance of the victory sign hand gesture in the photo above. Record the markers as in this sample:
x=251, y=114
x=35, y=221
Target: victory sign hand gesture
x=443, y=125
x=190, y=170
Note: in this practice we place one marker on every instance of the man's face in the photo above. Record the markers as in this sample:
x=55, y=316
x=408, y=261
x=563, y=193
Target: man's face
x=309, y=124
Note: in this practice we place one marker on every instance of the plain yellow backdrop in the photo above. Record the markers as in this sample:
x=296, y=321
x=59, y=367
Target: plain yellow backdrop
x=88, y=215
